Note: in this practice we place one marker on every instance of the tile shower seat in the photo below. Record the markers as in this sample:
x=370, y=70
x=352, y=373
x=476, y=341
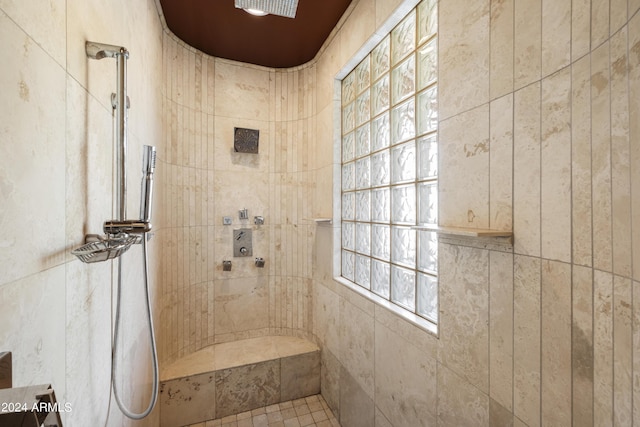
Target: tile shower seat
x=229, y=378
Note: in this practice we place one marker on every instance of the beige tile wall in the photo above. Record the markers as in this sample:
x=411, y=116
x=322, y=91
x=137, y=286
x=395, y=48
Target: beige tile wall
x=538, y=132
x=203, y=179
x=56, y=185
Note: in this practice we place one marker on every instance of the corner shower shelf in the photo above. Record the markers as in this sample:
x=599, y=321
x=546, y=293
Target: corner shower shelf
x=323, y=221
x=465, y=232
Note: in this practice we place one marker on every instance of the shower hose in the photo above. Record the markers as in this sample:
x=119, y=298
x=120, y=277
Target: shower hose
x=154, y=353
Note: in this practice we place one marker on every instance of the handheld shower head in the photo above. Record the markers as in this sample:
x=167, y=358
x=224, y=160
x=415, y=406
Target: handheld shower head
x=146, y=194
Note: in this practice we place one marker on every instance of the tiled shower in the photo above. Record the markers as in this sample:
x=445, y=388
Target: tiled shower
x=537, y=134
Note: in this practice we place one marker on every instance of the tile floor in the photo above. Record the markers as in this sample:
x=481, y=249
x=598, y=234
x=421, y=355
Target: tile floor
x=308, y=411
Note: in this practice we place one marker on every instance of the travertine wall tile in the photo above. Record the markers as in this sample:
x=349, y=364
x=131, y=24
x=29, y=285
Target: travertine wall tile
x=527, y=42
x=556, y=343
x=464, y=145
x=397, y=379
x=620, y=174
x=460, y=403
x=362, y=24
x=464, y=316
x=556, y=35
x=463, y=48
x=501, y=163
x=357, y=407
x=32, y=156
x=623, y=352
x=526, y=166
x=618, y=15
x=634, y=134
x=555, y=159
x=526, y=339
x=635, y=326
x=499, y=416
x=602, y=348
x=580, y=28
x=582, y=345
x=601, y=157
x=581, y=162
x=599, y=22
x=357, y=337
x=501, y=328
x=502, y=40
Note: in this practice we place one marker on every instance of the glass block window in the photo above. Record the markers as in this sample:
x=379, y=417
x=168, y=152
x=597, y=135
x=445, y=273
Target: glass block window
x=390, y=167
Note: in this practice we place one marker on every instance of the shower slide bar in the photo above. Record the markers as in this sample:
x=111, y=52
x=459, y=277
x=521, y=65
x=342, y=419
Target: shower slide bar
x=121, y=233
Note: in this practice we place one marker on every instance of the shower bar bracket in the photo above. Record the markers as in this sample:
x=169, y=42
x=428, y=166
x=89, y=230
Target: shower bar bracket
x=114, y=101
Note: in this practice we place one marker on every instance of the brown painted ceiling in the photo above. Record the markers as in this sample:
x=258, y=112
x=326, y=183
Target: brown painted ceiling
x=217, y=28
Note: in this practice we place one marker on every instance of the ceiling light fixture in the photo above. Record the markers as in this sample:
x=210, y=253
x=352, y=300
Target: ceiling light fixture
x=256, y=12
x=286, y=8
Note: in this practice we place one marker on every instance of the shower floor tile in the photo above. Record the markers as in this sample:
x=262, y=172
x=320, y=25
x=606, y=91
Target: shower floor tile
x=309, y=411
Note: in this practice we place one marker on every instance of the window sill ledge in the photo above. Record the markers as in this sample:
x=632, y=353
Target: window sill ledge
x=412, y=318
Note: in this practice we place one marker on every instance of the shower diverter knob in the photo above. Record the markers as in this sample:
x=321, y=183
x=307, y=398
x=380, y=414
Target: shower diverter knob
x=243, y=250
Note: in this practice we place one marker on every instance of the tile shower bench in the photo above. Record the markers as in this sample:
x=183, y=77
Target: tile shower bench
x=233, y=377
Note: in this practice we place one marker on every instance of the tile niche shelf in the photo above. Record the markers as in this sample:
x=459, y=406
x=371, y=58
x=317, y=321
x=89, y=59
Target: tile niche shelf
x=467, y=232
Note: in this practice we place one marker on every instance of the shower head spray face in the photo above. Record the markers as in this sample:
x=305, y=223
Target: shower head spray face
x=286, y=8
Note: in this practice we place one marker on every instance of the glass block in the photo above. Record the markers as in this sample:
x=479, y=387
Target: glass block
x=380, y=275
x=380, y=205
x=363, y=140
x=348, y=118
x=428, y=297
x=363, y=108
x=380, y=168
x=349, y=88
x=403, y=162
x=363, y=238
x=349, y=206
x=403, y=122
x=428, y=202
x=363, y=271
x=428, y=251
x=403, y=80
x=427, y=64
x=403, y=204
x=363, y=173
x=348, y=176
x=348, y=235
x=403, y=287
x=380, y=59
x=380, y=132
x=428, y=110
x=403, y=246
x=381, y=241
x=403, y=38
x=427, y=19
x=363, y=205
x=427, y=157
x=348, y=147
x=380, y=96
x=348, y=265
x=363, y=76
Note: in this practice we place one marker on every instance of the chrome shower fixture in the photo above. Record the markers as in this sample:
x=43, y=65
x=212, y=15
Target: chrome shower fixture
x=121, y=232
x=146, y=193
x=286, y=8
x=100, y=50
